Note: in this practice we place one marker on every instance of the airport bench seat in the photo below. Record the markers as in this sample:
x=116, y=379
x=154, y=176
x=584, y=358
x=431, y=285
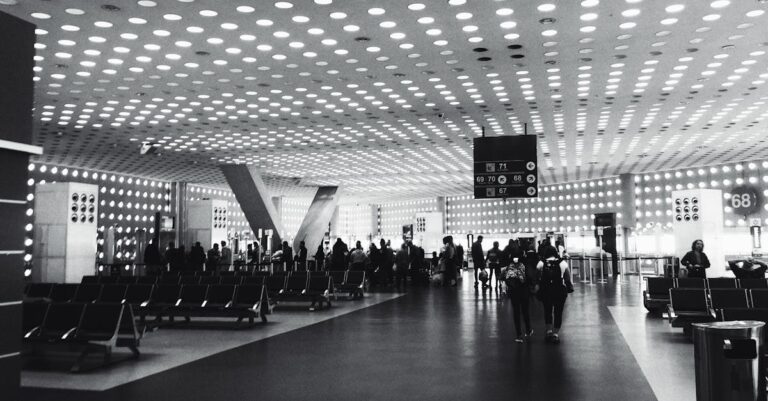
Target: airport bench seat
x=353, y=284
x=688, y=305
x=656, y=296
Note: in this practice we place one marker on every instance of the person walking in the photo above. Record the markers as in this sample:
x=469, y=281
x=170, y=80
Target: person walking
x=402, y=264
x=287, y=256
x=478, y=256
x=493, y=260
x=519, y=292
x=554, y=289
x=450, y=261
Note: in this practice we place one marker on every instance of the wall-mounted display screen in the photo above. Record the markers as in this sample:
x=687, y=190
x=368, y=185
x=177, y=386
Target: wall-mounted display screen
x=506, y=167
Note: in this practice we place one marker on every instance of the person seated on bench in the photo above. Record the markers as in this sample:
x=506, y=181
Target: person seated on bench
x=695, y=262
x=748, y=268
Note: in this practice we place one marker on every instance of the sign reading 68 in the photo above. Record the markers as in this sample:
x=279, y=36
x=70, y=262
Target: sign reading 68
x=745, y=200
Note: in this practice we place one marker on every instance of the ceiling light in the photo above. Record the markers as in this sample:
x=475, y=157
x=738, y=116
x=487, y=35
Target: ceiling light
x=40, y=16
x=208, y=13
x=720, y=3
x=549, y=32
x=376, y=11
x=674, y=8
x=137, y=21
x=630, y=13
x=457, y=2
x=338, y=15
x=264, y=22
x=245, y=9
x=172, y=17
x=416, y=6
x=504, y=12
x=711, y=17
x=589, y=3
x=545, y=8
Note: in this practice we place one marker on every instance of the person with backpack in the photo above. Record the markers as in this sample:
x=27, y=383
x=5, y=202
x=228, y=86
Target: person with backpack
x=493, y=260
x=518, y=284
x=554, y=287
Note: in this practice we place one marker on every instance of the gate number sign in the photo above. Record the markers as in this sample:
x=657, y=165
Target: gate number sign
x=505, y=167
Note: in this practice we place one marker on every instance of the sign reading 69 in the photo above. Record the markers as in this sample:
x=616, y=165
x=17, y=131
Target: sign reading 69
x=745, y=200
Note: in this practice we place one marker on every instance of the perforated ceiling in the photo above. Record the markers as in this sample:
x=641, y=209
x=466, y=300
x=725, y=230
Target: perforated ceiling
x=384, y=97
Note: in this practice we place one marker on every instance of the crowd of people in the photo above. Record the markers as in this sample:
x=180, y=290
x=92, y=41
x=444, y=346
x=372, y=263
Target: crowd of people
x=219, y=257
x=525, y=272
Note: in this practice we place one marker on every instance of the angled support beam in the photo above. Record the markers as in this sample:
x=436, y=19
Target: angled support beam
x=254, y=199
x=315, y=223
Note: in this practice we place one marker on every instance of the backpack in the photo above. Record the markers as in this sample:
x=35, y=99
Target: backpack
x=514, y=276
x=551, y=275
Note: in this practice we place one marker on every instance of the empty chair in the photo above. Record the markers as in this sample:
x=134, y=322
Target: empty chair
x=688, y=305
x=192, y=296
x=87, y=293
x=656, y=296
x=721, y=282
x=187, y=279
x=138, y=295
x=127, y=280
x=759, y=298
x=219, y=296
x=33, y=315
x=690, y=283
x=757, y=314
x=168, y=279
x=723, y=298
x=294, y=285
x=100, y=322
x=257, y=280
x=354, y=284
x=750, y=283
x=63, y=292
x=113, y=293
x=38, y=290
x=274, y=284
x=209, y=280
x=89, y=280
x=339, y=276
x=232, y=280
x=61, y=321
x=165, y=295
x=108, y=279
x=251, y=301
x=146, y=280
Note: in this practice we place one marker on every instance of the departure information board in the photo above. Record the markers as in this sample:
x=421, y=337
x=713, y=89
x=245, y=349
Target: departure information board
x=506, y=167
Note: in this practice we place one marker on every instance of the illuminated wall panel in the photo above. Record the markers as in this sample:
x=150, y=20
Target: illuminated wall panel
x=392, y=216
x=126, y=202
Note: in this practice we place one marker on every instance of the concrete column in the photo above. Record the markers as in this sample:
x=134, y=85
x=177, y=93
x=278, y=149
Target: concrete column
x=375, y=221
x=16, y=63
x=254, y=199
x=323, y=209
x=441, y=207
x=628, y=208
x=180, y=192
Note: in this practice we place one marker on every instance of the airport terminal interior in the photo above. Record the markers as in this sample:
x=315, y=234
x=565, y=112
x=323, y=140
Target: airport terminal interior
x=383, y=200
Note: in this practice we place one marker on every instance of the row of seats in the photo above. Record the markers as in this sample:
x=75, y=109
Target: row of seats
x=220, y=300
x=691, y=305
x=350, y=282
x=85, y=327
x=656, y=296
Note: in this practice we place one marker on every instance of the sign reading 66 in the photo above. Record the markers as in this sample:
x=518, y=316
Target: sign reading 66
x=745, y=200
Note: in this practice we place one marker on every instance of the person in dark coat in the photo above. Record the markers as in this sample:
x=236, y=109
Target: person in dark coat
x=287, y=256
x=213, y=258
x=320, y=258
x=478, y=256
x=339, y=256
x=302, y=256
x=153, y=260
x=197, y=257
x=695, y=262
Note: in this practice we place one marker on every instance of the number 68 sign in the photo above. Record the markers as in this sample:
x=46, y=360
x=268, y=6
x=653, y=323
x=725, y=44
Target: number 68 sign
x=745, y=200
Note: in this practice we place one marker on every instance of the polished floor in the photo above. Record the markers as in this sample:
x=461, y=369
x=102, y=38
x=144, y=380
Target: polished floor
x=435, y=344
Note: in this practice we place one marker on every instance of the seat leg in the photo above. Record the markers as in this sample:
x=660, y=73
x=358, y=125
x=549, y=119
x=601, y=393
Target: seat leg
x=263, y=318
x=80, y=358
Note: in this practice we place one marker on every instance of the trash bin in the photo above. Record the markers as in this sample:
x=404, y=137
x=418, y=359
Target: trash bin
x=729, y=363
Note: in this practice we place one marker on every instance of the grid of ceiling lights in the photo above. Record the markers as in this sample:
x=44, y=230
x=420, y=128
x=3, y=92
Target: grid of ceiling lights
x=126, y=203
x=563, y=208
x=292, y=212
x=218, y=43
x=392, y=216
x=354, y=222
x=653, y=191
x=236, y=221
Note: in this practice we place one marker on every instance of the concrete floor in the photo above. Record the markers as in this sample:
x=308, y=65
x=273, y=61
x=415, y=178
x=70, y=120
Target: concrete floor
x=432, y=344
